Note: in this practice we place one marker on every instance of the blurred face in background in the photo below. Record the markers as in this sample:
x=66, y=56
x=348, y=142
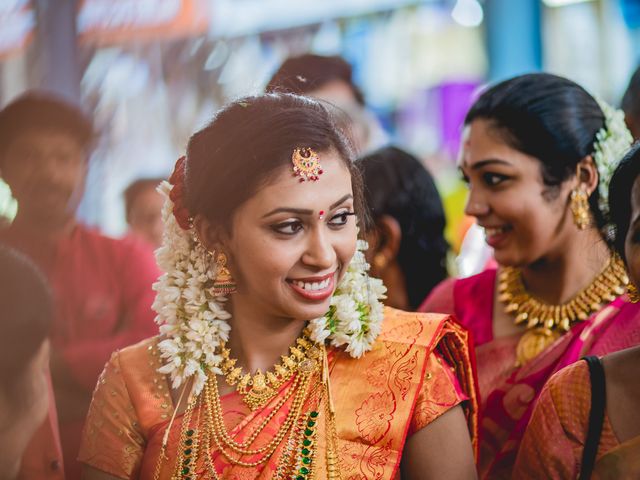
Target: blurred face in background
x=524, y=220
x=632, y=241
x=46, y=171
x=340, y=94
x=145, y=216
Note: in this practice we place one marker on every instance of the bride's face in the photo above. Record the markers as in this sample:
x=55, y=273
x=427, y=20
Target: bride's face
x=292, y=241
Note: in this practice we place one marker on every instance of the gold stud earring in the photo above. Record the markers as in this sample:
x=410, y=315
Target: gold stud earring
x=224, y=283
x=380, y=261
x=580, y=208
x=632, y=293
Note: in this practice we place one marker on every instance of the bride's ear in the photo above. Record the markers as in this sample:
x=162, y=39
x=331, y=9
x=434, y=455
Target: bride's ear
x=208, y=234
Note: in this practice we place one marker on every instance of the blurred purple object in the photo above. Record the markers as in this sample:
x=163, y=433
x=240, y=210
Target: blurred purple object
x=455, y=100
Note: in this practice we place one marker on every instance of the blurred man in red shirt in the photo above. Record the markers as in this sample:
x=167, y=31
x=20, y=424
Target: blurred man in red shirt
x=102, y=286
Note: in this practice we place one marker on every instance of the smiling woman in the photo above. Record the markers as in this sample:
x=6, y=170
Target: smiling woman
x=563, y=438
x=538, y=153
x=281, y=359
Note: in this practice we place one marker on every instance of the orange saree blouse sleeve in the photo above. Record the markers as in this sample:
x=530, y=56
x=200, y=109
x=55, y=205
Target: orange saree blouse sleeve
x=112, y=441
x=554, y=440
x=440, y=392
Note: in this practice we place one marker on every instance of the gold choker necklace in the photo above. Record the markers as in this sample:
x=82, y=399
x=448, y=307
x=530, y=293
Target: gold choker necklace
x=257, y=389
x=545, y=323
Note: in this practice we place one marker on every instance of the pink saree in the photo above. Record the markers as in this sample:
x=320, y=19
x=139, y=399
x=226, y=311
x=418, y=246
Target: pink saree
x=507, y=394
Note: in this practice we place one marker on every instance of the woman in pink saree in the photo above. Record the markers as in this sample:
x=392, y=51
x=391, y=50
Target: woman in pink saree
x=538, y=152
x=563, y=440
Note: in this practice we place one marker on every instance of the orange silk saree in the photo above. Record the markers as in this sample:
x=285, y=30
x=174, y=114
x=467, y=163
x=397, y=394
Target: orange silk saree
x=418, y=369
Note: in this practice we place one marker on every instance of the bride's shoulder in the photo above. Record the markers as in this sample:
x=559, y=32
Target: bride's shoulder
x=411, y=327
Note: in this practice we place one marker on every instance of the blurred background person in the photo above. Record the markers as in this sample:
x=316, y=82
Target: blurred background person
x=330, y=78
x=143, y=210
x=538, y=153
x=26, y=311
x=407, y=248
x=631, y=104
x=102, y=286
x=586, y=419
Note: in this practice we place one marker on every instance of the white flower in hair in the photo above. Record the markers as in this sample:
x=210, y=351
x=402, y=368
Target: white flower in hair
x=195, y=322
x=612, y=142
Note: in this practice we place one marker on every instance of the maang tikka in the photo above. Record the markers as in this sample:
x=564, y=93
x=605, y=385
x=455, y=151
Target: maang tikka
x=306, y=164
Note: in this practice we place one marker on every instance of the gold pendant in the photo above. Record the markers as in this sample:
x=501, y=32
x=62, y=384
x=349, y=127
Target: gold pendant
x=258, y=393
x=258, y=389
x=533, y=342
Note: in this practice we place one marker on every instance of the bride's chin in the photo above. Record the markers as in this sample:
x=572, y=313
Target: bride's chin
x=307, y=314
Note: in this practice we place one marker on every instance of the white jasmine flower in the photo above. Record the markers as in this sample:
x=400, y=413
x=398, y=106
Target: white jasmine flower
x=612, y=142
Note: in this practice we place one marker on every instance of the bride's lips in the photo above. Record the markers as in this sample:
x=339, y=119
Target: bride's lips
x=314, y=288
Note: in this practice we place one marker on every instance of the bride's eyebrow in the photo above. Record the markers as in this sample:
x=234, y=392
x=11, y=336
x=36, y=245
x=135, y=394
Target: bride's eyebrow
x=297, y=211
x=304, y=211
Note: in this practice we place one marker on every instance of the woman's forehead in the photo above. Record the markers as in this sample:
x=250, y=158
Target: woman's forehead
x=286, y=188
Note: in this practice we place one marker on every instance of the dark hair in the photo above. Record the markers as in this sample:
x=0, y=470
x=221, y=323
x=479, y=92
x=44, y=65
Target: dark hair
x=27, y=310
x=247, y=141
x=397, y=184
x=135, y=188
x=547, y=117
x=620, y=188
x=43, y=110
x=309, y=72
x=631, y=99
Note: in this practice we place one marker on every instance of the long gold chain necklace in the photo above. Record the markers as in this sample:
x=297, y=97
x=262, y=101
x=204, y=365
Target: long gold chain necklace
x=208, y=434
x=545, y=323
x=258, y=389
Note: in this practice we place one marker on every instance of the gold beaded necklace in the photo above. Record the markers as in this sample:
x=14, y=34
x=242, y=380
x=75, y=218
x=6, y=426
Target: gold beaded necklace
x=545, y=323
x=208, y=432
x=257, y=389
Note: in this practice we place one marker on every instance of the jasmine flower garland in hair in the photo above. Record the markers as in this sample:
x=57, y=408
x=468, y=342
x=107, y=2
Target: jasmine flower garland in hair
x=612, y=142
x=195, y=322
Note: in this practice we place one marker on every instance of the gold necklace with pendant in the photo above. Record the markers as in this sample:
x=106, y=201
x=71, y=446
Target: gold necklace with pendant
x=204, y=432
x=257, y=389
x=545, y=323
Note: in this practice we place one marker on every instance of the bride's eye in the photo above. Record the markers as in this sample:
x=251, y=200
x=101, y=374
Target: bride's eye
x=288, y=228
x=340, y=219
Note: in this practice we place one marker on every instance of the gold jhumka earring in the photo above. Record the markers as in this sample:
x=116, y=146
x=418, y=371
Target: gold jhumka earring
x=224, y=283
x=580, y=208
